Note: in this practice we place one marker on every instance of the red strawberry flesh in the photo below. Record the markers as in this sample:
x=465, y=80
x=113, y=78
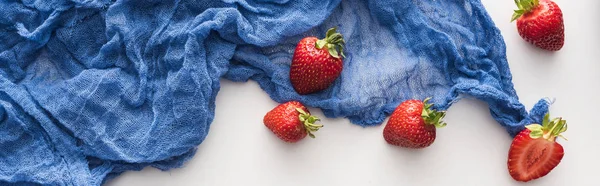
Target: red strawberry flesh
x=533, y=158
x=534, y=152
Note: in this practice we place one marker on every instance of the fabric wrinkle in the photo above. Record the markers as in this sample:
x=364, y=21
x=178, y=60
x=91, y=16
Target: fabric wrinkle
x=92, y=89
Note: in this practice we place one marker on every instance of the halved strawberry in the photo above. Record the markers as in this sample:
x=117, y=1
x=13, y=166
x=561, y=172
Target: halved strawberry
x=534, y=151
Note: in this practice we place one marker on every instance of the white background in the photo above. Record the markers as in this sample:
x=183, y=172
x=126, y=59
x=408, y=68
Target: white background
x=239, y=150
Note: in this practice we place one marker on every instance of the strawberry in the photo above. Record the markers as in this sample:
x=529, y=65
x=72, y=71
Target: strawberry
x=413, y=124
x=316, y=64
x=540, y=22
x=534, y=152
x=291, y=122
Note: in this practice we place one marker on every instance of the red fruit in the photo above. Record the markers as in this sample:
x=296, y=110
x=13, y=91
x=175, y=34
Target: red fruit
x=413, y=124
x=291, y=122
x=540, y=22
x=534, y=151
x=316, y=64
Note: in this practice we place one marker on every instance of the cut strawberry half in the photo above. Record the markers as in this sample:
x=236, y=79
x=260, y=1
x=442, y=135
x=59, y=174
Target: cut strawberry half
x=534, y=151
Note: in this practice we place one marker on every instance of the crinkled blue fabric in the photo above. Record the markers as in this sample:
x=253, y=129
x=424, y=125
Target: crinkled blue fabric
x=90, y=89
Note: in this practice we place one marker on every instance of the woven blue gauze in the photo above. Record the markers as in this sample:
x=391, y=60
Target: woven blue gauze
x=92, y=88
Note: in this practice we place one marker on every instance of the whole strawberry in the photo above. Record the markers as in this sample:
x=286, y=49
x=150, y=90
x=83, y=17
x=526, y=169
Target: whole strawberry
x=540, y=22
x=316, y=64
x=534, y=152
x=291, y=122
x=413, y=124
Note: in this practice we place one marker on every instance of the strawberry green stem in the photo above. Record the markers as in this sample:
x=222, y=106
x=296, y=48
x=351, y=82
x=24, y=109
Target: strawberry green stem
x=309, y=122
x=431, y=116
x=333, y=41
x=549, y=130
x=524, y=6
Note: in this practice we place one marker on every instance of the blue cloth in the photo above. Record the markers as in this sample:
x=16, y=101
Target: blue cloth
x=90, y=89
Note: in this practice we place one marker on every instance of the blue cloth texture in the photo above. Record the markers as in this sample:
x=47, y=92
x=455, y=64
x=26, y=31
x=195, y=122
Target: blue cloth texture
x=93, y=88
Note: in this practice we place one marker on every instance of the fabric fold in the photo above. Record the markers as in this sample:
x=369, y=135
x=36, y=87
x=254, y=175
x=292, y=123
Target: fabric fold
x=91, y=89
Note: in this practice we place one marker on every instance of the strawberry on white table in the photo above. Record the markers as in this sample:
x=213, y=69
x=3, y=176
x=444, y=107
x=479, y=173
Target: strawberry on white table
x=534, y=152
x=540, y=22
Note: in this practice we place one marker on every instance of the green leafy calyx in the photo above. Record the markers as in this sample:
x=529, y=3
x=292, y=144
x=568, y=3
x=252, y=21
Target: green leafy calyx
x=550, y=129
x=309, y=122
x=432, y=116
x=524, y=6
x=333, y=41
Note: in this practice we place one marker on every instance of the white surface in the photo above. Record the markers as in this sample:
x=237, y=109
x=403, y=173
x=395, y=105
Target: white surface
x=241, y=151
